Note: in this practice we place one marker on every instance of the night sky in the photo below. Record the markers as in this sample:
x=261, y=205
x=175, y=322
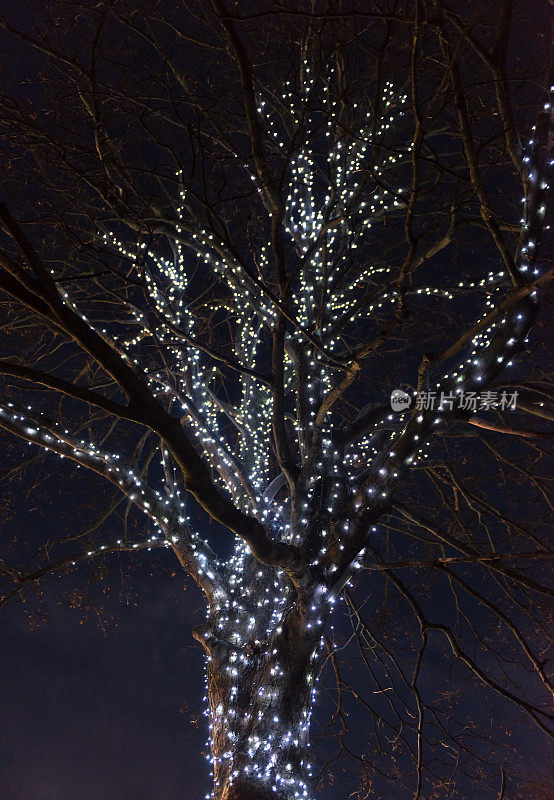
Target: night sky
x=92, y=714
x=101, y=687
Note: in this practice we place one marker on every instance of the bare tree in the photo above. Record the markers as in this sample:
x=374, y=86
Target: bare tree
x=228, y=236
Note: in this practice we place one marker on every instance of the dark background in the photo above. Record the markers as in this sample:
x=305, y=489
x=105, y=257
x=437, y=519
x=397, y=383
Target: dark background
x=101, y=681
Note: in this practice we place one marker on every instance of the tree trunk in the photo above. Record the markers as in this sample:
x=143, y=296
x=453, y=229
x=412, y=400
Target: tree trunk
x=260, y=695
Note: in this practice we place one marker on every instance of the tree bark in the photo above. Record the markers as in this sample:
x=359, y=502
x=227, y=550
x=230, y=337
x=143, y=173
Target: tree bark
x=261, y=692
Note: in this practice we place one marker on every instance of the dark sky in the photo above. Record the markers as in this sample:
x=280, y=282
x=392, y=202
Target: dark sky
x=104, y=702
x=99, y=711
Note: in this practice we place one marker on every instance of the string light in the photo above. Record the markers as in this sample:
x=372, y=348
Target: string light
x=330, y=212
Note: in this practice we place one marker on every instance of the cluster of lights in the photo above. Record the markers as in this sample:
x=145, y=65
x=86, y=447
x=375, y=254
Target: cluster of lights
x=328, y=213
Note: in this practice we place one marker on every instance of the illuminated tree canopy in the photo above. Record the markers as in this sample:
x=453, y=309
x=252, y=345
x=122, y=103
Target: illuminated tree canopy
x=224, y=261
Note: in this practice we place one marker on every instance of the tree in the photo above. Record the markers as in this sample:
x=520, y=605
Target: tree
x=229, y=236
